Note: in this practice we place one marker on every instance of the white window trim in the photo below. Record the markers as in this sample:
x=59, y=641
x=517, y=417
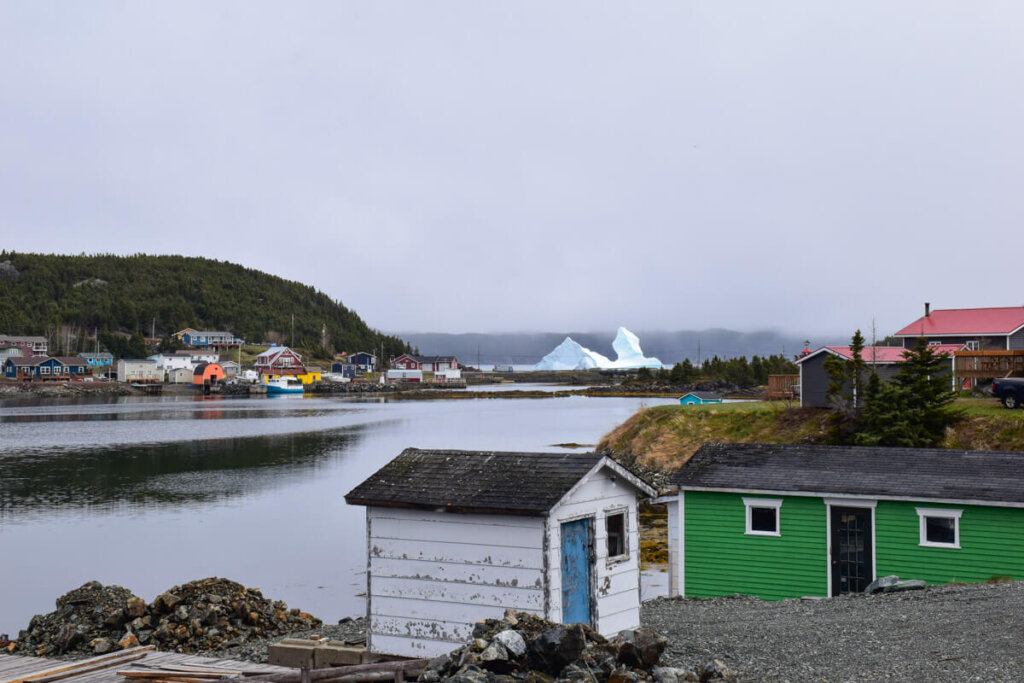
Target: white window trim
x=947, y=513
x=775, y=503
x=624, y=511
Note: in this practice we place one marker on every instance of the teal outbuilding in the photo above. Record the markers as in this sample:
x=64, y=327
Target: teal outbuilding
x=699, y=398
x=785, y=521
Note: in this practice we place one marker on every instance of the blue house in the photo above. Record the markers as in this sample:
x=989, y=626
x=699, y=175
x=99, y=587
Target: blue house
x=207, y=338
x=101, y=359
x=35, y=367
x=699, y=398
x=344, y=370
x=363, y=361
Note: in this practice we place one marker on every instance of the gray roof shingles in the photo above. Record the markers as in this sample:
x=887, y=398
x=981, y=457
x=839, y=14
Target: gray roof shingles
x=483, y=481
x=914, y=473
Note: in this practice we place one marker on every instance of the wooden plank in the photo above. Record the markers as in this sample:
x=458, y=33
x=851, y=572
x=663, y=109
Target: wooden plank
x=457, y=553
x=90, y=664
x=450, y=571
x=519, y=598
x=49, y=678
x=478, y=534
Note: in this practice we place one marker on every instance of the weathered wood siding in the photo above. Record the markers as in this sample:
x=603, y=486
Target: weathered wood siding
x=616, y=585
x=433, y=575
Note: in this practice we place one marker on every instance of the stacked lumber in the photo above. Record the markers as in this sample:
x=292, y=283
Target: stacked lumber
x=83, y=666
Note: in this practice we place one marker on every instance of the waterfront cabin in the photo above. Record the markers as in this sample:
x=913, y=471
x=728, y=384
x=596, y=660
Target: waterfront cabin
x=138, y=370
x=787, y=521
x=699, y=398
x=205, y=374
x=180, y=376
x=32, y=368
x=344, y=369
x=75, y=367
x=231, y=368
x=454, y=537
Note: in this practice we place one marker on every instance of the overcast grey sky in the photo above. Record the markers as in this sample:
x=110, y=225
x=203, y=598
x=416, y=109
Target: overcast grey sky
x=482, y=166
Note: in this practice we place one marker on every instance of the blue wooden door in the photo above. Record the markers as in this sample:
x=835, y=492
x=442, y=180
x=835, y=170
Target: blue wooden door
x=576, y=572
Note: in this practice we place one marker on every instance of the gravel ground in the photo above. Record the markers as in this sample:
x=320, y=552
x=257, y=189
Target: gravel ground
x=354, y=629
x=950, y=633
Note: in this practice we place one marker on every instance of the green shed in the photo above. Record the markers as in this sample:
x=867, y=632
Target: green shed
x=784, y=521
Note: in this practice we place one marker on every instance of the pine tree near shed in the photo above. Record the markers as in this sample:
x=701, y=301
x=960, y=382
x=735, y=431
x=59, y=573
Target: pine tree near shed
x=845, y=393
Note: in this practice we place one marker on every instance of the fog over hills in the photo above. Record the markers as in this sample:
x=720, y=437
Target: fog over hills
x=670, y=347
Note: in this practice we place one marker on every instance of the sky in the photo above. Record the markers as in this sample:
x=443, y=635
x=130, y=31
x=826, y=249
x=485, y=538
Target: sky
x=800, y=166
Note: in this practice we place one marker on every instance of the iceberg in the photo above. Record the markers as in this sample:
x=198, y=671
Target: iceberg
x=570, y=355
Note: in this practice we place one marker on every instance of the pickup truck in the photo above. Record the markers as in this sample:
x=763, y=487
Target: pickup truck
x=1009, y=390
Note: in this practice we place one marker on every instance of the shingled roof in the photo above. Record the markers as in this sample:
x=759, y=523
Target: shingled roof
x=476, y=481
x=893, y=473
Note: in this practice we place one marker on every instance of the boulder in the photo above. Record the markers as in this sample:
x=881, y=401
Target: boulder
x=512, y=641
x=641, y=648
x=881, y=583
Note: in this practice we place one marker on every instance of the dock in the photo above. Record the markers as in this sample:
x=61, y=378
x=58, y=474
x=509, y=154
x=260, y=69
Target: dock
x=105, y=669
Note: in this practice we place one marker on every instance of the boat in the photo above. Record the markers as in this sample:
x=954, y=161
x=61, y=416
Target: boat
x=284, y=385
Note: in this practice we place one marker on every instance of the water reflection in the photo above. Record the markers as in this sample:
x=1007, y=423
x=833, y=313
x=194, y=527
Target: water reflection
x=161, y=474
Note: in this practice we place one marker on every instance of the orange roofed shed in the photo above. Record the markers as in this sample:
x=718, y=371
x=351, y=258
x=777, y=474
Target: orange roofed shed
x=207, y=373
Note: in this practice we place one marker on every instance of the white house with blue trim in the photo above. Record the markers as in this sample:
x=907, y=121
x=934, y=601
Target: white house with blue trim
x=454, y=537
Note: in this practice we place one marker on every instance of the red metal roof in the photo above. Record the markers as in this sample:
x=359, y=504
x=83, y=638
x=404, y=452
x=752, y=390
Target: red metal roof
x=884, y=354
x=966, y=321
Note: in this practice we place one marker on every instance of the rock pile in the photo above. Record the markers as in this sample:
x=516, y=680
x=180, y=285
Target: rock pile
x=522, y=648
x=204, y=615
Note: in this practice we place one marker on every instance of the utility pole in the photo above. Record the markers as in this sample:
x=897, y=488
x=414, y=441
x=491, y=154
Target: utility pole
x=291, y=339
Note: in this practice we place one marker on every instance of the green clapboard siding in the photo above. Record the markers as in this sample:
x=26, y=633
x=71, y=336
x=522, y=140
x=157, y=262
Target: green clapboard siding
x=991, y=544
x=720, y=559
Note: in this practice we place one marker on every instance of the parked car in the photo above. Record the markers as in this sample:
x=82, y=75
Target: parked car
x=1009, y=390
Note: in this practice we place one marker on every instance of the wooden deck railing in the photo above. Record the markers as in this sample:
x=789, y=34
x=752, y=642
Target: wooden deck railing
x=988, y=364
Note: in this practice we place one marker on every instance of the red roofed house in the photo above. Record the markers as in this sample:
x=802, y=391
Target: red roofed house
x=884, y=360
x=979, y=329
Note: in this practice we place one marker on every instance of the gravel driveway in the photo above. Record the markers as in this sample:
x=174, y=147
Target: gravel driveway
x=950, y=633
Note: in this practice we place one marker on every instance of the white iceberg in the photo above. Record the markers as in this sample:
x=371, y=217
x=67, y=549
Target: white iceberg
x=570, y=355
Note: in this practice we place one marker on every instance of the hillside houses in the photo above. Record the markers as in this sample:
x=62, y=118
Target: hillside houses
x=30, y=346
x=207, y=338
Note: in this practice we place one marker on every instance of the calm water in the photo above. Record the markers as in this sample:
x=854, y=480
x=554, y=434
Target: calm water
x=153, y=492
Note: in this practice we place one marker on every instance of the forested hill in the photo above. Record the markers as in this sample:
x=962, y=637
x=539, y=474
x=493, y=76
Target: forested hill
x=65, y=296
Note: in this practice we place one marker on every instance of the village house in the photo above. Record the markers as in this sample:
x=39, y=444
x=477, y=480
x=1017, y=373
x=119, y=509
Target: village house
x=174, y=360
x=362, y=361
x=883, y=360
x=33, y=368
x=10, y=351
x=138, y=370
x=454, y=537
x=281, y=361
x=231, y=368
x=98, y=359
x=207, y=338
x=31, y=346
x=75, y=367
x=425, y=363
x=787, y=521
x=978, y=329
x=180, y=376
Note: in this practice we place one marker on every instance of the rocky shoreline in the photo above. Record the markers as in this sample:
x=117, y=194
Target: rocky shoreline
x=64, y=389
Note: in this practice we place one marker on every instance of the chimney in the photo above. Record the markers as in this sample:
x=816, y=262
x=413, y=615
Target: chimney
x=927, y=309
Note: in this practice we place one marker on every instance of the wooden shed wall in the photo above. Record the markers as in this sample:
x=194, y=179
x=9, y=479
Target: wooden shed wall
x=433, y=575
x=617, y=585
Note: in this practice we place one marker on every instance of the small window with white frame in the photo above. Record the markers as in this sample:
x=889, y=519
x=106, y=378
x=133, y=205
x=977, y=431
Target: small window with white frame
x=763, y=516
x=615, y=525
x=973, y=345
x=940, y=527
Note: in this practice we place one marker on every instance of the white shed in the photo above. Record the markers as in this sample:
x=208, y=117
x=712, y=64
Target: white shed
x=454, y=537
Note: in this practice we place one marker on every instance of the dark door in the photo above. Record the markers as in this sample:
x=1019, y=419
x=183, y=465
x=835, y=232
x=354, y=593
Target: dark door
x=851, y=550
x=576, y=572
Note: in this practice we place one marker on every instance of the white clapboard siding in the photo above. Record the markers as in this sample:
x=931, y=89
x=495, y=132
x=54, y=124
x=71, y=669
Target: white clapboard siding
x=465, y=553
x=433, y=575
x=450, y=531
x=512, y=577
x=407, y=646
x=617, y=587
